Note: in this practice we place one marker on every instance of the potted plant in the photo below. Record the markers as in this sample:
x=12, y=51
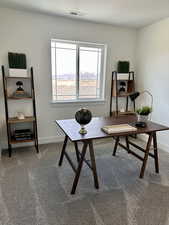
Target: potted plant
x=17, y=64
x=143, y=113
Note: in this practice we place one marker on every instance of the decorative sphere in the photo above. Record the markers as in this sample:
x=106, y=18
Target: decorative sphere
x=83, y=116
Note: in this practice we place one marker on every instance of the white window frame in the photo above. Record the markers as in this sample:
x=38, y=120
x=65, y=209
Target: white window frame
x=103, y=70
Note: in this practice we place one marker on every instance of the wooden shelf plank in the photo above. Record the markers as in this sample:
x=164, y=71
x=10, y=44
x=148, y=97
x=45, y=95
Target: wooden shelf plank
x=126, y=94
x=18, y=98
x=123, y=113
x=13, y=141
x=127, y=113
x=8, y=77
x=25, y=120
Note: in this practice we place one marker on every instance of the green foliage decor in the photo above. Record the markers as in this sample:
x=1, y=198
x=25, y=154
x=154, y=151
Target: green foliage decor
x=123, y=67
x=17, y=60
x=144, y=111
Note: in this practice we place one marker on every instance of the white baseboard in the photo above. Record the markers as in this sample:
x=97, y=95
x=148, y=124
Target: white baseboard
x=42, y=140
x=53, y=139
x=163, y=146
x=57, y=139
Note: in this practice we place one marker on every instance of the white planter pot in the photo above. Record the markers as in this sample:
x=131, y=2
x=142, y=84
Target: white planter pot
x=18, y=72
x=142, y=118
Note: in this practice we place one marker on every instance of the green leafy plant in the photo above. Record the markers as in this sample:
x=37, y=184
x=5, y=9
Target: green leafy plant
x=144, y=111
x=17, y=60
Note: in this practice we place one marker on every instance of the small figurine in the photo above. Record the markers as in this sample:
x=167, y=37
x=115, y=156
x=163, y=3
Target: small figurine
x=122, y=86
x=20, y=93
x=19, y=84
x=20, y=115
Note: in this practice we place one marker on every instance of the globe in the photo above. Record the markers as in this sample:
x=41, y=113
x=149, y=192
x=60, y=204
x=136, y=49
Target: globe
x=83, y=116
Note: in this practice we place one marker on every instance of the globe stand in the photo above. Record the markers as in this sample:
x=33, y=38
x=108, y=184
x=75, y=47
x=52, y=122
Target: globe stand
x=83, y=116
x=82, y=130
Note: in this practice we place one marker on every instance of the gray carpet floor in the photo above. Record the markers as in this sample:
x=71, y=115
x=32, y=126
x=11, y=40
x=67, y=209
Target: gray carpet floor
x=35, y=191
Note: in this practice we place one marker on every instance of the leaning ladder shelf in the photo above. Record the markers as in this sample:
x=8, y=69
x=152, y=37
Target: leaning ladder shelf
x=13, y=120
x=115, y=93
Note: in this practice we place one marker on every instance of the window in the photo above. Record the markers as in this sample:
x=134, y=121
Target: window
x=77, y=70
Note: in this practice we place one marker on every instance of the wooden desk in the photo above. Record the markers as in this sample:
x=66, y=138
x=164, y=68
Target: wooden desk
x=71, y=129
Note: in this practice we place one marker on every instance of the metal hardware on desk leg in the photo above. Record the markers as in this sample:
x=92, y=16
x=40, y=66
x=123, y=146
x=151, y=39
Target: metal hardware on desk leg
x=116, y=144
x=77, y=150
x=63, y=150
x=155, y=152
x=76, y=179
x=146, y=155
x=93, y=162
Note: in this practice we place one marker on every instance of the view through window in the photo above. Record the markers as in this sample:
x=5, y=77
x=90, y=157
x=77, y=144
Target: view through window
x=77, y=70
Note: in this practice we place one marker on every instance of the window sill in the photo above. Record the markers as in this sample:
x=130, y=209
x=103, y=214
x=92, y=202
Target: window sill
x=97, y=101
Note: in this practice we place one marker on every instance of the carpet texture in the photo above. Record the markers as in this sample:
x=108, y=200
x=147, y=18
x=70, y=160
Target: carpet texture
x=35, y=191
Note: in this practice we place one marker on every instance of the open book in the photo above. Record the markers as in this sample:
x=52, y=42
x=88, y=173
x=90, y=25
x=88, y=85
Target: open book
x=118, y=128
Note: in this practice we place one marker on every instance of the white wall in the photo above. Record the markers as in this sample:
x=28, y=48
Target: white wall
x=153, y=71
x=30, y=33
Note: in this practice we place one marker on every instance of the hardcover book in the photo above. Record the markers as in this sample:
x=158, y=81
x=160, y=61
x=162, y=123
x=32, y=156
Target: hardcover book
x=120, y=128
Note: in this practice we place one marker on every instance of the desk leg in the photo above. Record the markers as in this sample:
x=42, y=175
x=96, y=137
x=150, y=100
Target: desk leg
x=77, y=151
x=127, y=144
x=63, y=150
x=146, y=155
x=76, y=179
x=93, y=162
x=155, y=152
x=116, y=144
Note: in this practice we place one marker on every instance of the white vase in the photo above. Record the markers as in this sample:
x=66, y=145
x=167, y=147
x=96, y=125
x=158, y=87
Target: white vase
x=142, y=118
x=18, y=72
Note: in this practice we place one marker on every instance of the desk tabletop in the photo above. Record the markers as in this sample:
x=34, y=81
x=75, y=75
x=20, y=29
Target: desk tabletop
x=71, y=128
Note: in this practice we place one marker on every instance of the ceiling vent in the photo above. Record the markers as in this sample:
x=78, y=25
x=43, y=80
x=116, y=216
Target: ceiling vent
x=73, y=13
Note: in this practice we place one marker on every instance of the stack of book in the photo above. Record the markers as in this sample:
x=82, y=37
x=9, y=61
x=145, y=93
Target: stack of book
x=120, y=128
x=24, y=134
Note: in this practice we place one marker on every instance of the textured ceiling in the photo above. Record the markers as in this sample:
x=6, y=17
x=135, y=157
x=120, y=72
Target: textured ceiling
x=130, y=13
